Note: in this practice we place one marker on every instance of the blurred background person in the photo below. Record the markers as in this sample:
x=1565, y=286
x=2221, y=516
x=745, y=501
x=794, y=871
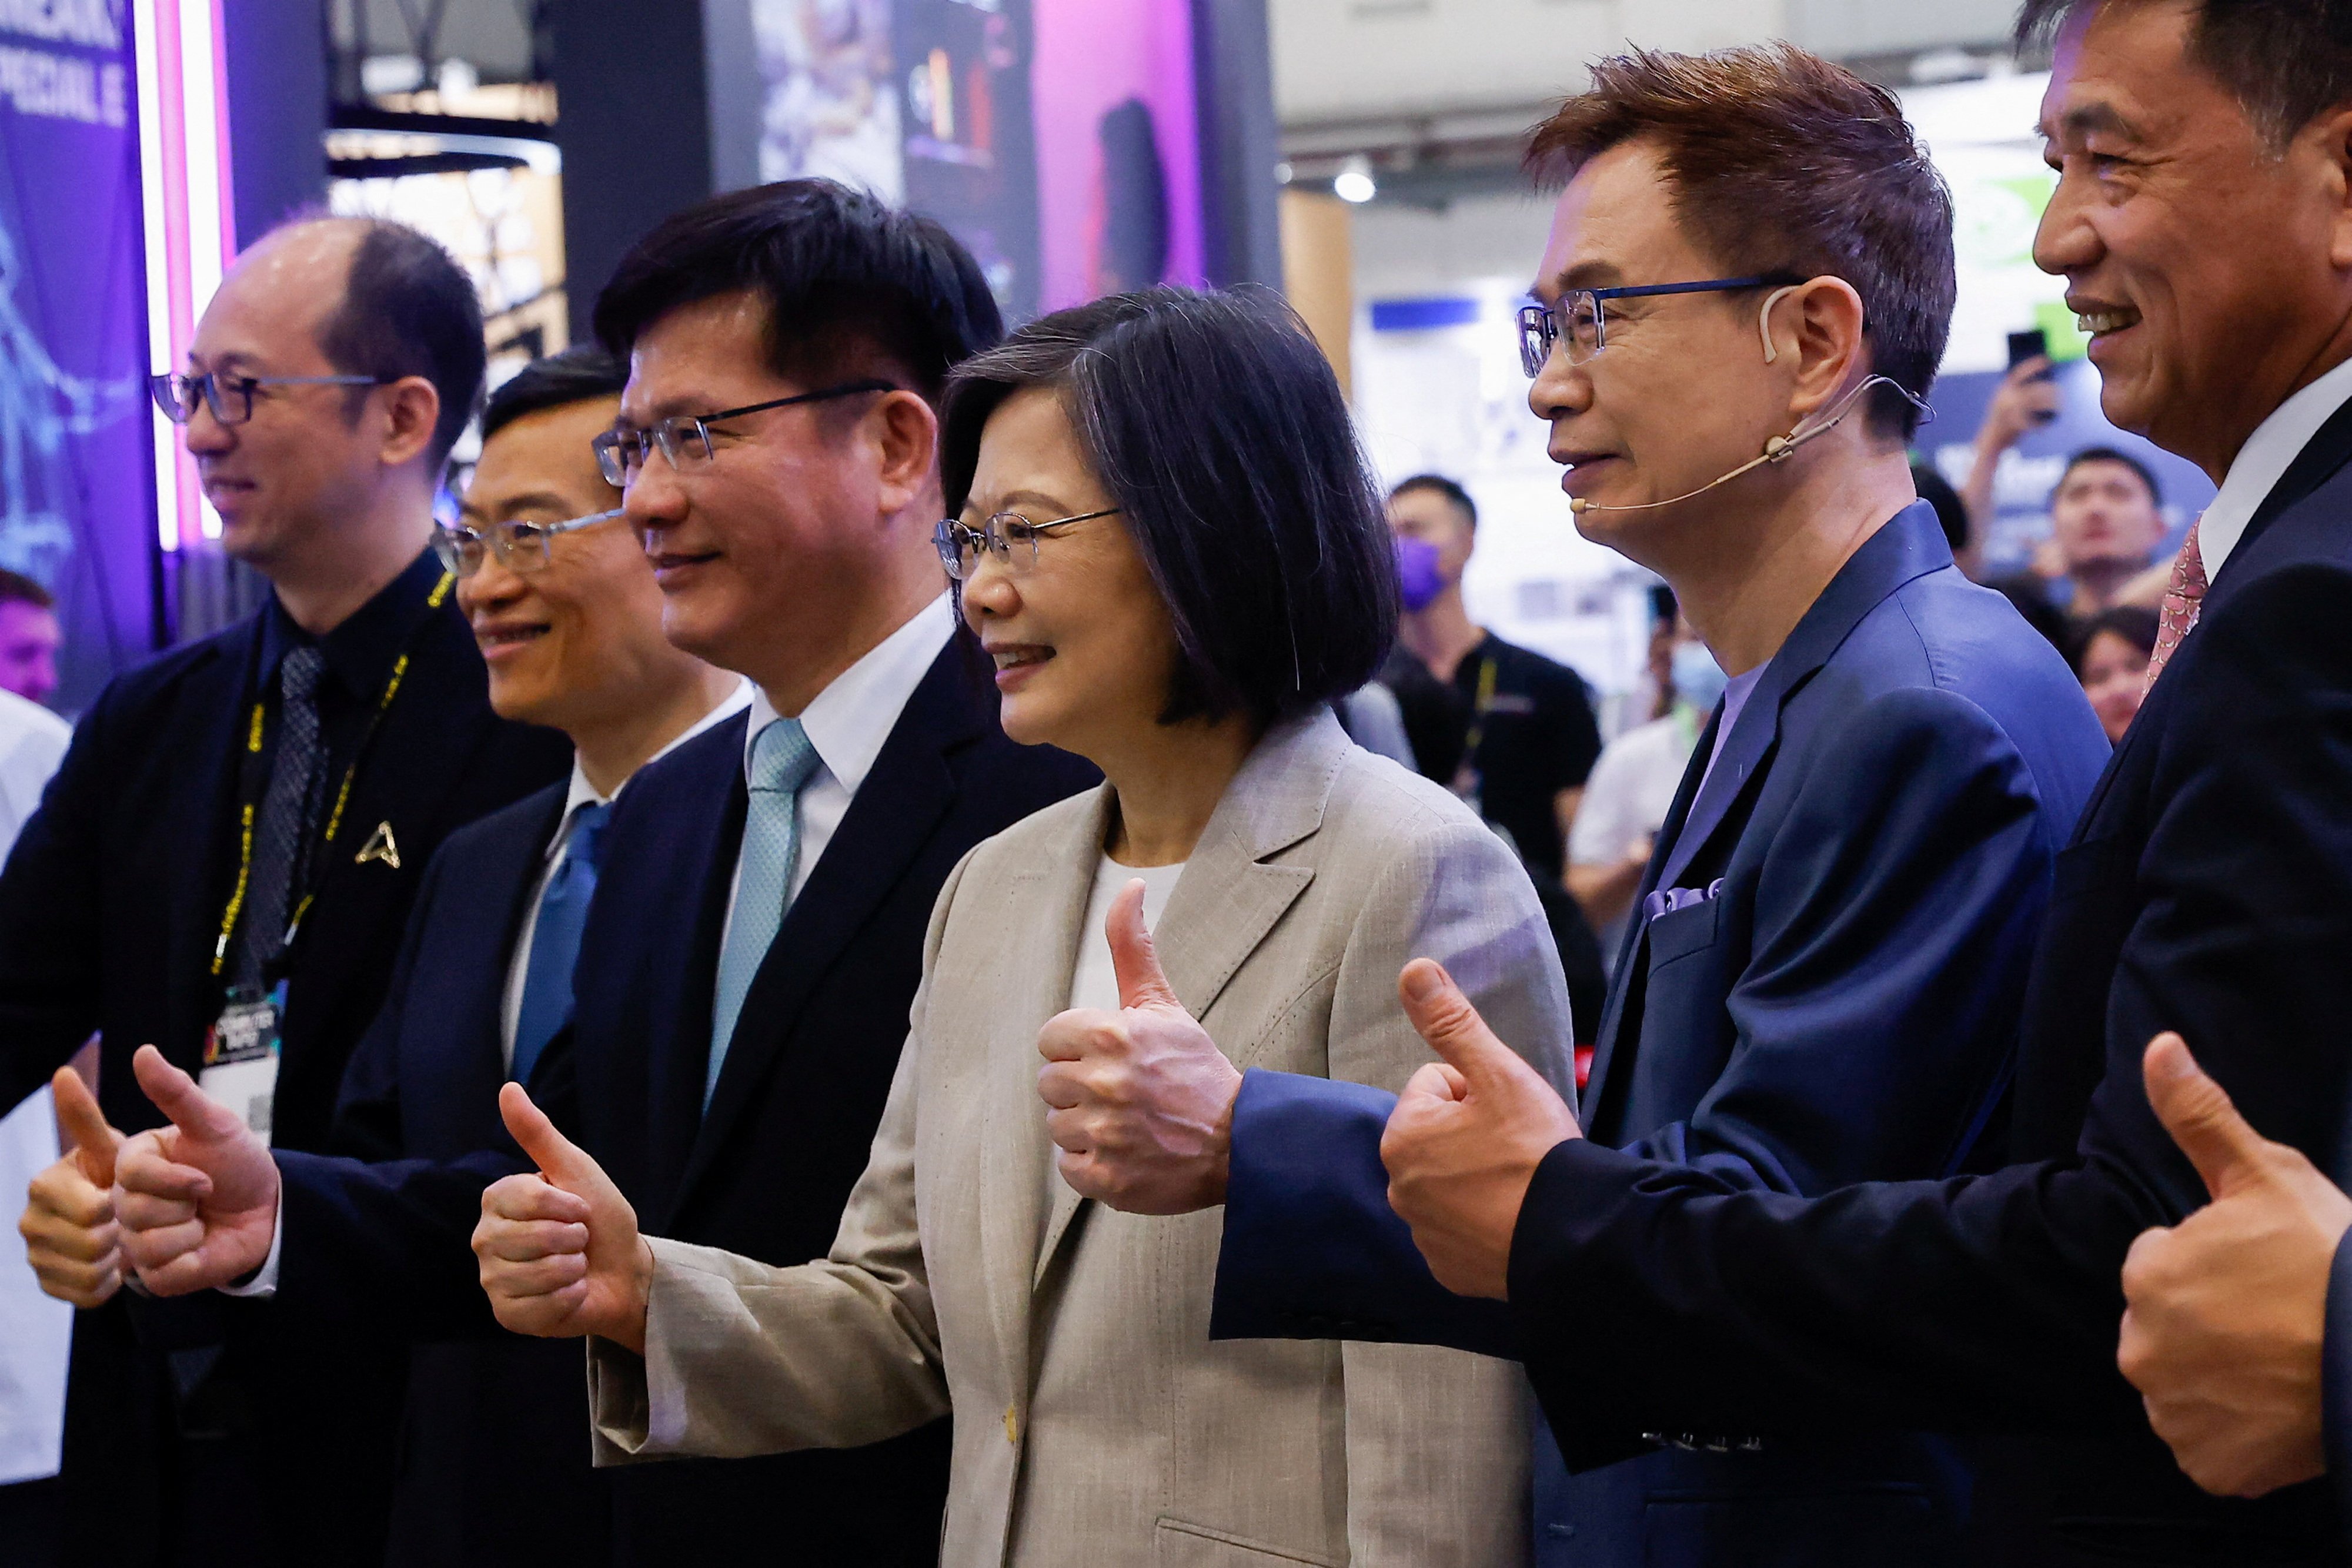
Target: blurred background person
x=189, y=879
x=2111, y=659
x=2106, y=523
x=1966, y=540
x=2026, y=399
x=1178, y=602
x=29, y=637
x=1508, y=731
x=569, y=618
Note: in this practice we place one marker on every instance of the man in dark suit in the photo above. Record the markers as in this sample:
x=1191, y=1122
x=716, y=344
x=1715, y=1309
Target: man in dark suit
x=2207, y=889
x=492, y=1469
x=234, y=840
x=1829, y=951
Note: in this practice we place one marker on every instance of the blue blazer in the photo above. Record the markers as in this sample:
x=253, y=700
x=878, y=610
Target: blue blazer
x=492, y=1469
x=1831, y=999
x=109, y=908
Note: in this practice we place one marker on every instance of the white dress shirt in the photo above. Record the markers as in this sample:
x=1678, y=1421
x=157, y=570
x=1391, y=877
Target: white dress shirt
x=265, y=1279
x=35, y=1331
x=848, y=724
x=2264, y=461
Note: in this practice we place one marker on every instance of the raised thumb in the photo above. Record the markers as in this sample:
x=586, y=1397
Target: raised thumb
x=559, y=1159
x=1449, y=1023
x=2197, y=1112
x=1133, y=959
x=84, y=1125
x=177, y=1095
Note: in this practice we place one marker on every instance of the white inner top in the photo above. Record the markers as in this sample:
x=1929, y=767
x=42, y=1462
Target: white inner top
x=1093, y=984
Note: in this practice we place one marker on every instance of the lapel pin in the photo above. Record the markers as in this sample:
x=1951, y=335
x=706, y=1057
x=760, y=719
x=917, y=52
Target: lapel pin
x=381, y=846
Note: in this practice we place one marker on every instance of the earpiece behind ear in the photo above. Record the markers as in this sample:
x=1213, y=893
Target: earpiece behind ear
x=1764, y=321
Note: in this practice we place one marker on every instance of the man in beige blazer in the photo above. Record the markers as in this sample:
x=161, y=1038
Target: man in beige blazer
x=1096, y=1421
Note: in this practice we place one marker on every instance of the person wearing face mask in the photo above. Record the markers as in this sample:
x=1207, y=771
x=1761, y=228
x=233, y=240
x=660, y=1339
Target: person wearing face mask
x=1747, y=289
x=1508, y=731
x=1180, y=613
x=1632, y=785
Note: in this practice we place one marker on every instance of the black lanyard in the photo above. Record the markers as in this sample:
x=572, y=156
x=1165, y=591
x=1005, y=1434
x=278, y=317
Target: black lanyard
x=251, y=789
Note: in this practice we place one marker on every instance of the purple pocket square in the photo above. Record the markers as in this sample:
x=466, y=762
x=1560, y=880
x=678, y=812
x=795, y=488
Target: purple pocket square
x=1666, y=900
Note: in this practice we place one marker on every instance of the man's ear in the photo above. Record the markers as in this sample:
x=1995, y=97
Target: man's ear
x=412, y=408
x=906, y=436
x=2331, y=139
x=1818, y=330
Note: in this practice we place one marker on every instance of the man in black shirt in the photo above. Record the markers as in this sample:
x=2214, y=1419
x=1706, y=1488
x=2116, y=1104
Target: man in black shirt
x=1508, y=728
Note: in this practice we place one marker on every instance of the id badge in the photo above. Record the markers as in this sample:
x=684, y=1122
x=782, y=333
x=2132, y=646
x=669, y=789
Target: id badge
x=240, y=1068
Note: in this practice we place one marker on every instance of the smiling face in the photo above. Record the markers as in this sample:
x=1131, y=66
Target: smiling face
x=2208, y=267
x=1084, y=647
x=573, y=641
x=1680, y=395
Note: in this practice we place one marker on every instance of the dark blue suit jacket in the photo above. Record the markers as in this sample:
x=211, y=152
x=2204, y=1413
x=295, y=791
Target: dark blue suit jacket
x=494, y=1461
x=2207, y=889
x=1874, y=848
x=109, y=908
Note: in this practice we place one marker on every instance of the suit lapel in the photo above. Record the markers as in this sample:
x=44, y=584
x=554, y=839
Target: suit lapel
x=1228, y=898
x=217, y=691
x=909, y=789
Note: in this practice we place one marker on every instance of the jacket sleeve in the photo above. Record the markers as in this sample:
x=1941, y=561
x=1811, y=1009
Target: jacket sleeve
x=1894, y=921
x=52, y=941
x=1438, y=1451
x=742, y=1357
x=1993, y=1302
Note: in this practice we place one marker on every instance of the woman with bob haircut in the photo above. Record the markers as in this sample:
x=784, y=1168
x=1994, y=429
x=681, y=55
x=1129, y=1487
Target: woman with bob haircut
x=1166, y=538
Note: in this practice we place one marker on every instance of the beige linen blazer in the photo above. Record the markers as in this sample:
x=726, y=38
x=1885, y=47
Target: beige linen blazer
x=1095, y=1422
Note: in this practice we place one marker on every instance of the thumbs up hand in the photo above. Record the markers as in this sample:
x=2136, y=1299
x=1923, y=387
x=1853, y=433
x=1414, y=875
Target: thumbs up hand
x=197, y=1200
x=71, y=1236
x=1466, y=1137
x=1140, y=1101
x=2227, y=1311
x=559, y=1251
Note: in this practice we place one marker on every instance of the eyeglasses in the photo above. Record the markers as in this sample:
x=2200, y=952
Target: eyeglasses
x=519, y=546
x=231, y=397
x=1011, y=538
x=1577, y=321
x=684, y=439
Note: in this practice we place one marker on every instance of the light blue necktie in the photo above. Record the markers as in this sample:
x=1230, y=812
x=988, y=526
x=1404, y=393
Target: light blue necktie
x=781, y=761
x=555, y=941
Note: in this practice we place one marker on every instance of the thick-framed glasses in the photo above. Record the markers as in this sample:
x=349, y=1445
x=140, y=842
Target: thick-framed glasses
x=231, y=397
x=1579, y=323
x=685, y=438
x=519, y=546
x=1009, y=537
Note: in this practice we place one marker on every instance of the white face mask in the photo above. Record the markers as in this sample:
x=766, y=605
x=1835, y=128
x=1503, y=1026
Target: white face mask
x=1699, y=679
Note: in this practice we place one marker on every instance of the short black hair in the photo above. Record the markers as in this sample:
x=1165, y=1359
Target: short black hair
x=15, y=588
x=2135, y=623
x=2286, y=62
x=2109, y=455
x=1446, y=487
x=1218, y=428
x=579, y=373
x=409, y=309
x=847, y=279
x=1951, y=512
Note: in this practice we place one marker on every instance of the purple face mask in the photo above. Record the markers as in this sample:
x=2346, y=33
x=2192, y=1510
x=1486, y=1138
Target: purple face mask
x=1418, y=574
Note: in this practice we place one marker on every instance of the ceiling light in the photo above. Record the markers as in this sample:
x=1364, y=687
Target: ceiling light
x=1354, y=181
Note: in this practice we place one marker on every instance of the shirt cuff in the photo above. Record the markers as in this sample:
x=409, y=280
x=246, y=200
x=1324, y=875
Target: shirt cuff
x=264, y=1282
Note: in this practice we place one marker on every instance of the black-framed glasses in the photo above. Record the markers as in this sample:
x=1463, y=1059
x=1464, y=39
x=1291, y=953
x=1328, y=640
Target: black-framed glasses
x=1009, y=537
x=519, y=545
x=685, y=438
x=1579, y=323
x=231, y=397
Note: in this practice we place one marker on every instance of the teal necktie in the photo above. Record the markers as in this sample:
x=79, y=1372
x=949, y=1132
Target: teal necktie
x=781, y=761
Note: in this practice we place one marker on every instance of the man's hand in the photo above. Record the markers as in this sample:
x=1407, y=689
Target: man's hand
x=559, y=1251
x=1465, y=1139
x=198, y=1199
x=1140, y=1101
x=70, y=1236
x=2227, y=1308
x=2023, y=399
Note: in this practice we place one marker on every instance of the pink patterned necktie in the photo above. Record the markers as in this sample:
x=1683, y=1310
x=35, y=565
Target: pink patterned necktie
x=2182, y=597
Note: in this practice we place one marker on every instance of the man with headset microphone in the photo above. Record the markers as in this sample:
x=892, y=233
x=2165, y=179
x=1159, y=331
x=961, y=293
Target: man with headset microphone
x=1747, y=290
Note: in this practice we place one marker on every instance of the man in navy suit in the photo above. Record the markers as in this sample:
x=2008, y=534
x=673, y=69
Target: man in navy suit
x=1829, y=955
x=2207, y=889
x=242, y=824
x=568, y=620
